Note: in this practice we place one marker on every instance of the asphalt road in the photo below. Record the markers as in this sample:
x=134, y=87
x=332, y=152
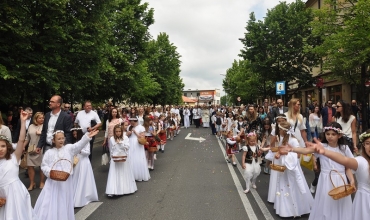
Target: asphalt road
x=191, y=180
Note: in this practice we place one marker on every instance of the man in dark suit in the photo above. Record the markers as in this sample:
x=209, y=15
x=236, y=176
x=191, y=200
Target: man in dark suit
x=327, y=113
x=280, y=108
x=55, y=120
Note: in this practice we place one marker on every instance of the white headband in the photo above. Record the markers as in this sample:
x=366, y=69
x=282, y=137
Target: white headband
x=58, y=131
x=75, y=129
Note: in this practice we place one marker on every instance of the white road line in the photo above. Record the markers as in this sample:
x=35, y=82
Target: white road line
x=247, y=206
x=87, y=210
x=257, y=197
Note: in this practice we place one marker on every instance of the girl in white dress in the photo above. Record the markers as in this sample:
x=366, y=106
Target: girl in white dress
x=83, y=176
x=361, y=167
x=137, y=159
x=18, y=200
x=326, y=207
x=120, y=177
x=250, y=161
x=56, y=199
x=293, y=197
x=271, y=157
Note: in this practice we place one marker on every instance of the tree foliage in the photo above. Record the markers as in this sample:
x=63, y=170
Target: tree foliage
x=344, y=30
x=275, y=46
x=81, y=49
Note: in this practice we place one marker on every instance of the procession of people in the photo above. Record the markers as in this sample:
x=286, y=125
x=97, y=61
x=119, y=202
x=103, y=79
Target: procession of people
x=270, y=137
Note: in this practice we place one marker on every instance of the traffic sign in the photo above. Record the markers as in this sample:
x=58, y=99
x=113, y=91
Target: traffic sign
x=280, y=88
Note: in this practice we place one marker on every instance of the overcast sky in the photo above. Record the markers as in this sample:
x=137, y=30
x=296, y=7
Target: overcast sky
x=206, y=34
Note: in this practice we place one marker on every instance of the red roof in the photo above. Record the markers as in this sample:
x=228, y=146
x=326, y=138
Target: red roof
x=187, y=99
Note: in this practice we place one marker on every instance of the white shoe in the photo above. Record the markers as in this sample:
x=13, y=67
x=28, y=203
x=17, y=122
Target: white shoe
x=246, y=191
x=254, y=186
x=312, y=189
x=155, y=157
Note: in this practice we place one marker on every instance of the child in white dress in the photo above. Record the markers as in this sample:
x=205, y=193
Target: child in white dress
x=360, y=165
x=121, y=179
x=291, y=185
x=18, y=200
x=83, y=176
x=56, y=199
x=250, y=161
x=325, y=207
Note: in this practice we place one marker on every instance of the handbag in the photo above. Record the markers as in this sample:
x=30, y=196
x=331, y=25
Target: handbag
x=104, y=157
x=23, y=163
x=75, y=161
x=307, y=161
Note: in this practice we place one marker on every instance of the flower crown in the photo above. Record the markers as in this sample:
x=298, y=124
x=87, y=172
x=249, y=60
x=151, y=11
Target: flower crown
x=364, y=136
x=284, y=117
x=5, y=138
x=75, y=129
x=57, y=131
x=251, y=134
x=334, y=129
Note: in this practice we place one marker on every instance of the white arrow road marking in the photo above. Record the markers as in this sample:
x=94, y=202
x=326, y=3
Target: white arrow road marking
x=200, y=139
x=86, y=211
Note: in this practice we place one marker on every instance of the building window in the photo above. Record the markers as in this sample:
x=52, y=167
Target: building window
x=335, y=93
x=185, y=94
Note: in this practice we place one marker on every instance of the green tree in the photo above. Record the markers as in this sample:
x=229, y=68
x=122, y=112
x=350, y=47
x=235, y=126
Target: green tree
x=344, y=30
x=164, y=64
x=275, y=46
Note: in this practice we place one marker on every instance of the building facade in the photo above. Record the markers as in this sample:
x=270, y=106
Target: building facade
x=203, y=97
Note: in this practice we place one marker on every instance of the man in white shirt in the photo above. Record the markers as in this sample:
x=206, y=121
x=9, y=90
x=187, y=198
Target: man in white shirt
x=88, y=120
x=197, y=113
x=55, y=120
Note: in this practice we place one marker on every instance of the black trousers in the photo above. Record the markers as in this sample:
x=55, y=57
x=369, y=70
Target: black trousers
x=91, y=148
x=197, y=122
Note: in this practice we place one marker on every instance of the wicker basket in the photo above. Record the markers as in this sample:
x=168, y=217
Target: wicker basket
x=274, y=149
x=59, y=175
x=141, y=140
x=119, y=158
x=2, y=202
x=276, y=167
x=152, y=149
x=340, y=191
x=163, y=131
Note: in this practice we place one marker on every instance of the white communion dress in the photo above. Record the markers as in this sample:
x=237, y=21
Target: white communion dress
x=138, y=161
x=120, y=177
x=83, y=180
x=56, y=199
x=18, y=200
x=291, y=186
x=333, y=209
x=361, y=203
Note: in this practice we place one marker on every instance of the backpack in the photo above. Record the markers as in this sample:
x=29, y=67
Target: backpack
x=218, y=121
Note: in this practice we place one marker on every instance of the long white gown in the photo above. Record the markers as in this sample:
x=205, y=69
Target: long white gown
x=292, y=187
x=138, y=159
x=18, y=200
x=361, y=203
x=83, y=180
x=186, y=118
x=205, y=118
x=333, y=209
x=56, y=199
x=120, y=177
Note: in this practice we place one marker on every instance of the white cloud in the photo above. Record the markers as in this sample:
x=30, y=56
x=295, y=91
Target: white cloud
x=206, y=33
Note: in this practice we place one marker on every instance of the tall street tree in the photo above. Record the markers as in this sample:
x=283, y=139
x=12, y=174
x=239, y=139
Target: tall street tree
x=344, y=29
x=275, y=46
